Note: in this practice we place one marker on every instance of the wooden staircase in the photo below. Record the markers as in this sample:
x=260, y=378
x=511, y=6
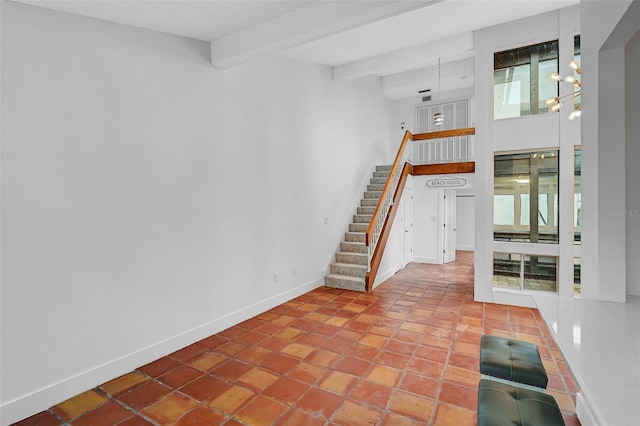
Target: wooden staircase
x=357, y=262
x=352, y=261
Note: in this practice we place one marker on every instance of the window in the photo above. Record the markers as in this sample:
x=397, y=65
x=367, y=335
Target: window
x=577, y=264
x=519, y=179
x=540, y=273
x=504, y=208
x=521, y=82
x=506, y=270
x=525, y=272
x=577, y=194
x=578, y=58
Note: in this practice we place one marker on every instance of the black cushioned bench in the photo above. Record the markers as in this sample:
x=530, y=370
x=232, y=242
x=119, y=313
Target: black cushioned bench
x=512, y=360
x=500, y=404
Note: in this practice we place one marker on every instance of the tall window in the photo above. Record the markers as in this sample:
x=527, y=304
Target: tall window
x=577, y=194
x=525, y=202
x=521, y=82
x=578, y=58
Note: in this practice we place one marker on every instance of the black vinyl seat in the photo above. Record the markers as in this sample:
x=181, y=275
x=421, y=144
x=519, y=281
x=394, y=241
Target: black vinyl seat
x=512, y=360
x=500, y=404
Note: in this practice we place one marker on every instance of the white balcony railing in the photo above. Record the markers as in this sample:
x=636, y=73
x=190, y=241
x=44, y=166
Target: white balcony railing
x=443, y=150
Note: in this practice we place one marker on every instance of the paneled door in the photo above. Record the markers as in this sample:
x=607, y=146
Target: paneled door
x=407, y=213
x=449, y=228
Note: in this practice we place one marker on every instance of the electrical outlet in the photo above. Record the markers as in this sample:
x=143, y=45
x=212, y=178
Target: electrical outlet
x=294, y=272
x=275, y=277
x=326, y=220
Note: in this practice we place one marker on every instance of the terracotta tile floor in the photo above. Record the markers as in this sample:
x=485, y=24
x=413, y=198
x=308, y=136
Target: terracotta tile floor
x=404, y=354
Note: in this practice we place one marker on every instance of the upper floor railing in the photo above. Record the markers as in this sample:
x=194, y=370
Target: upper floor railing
x=443, y=147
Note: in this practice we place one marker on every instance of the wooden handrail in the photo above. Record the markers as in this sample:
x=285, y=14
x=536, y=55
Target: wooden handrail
x=370, y=276
x=444, y=134
x=387, y=186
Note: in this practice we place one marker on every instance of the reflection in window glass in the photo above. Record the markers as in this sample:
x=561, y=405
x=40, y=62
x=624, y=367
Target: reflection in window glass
x=578, y=58
x=519, y=178
x=511, y=91
x=525, y=209
x=577, y=195
x=528, y=272
x=547, y=88
x=521, y=82
x=503, y=208
x=577, y=263
x=540, y=273
x=506, y=270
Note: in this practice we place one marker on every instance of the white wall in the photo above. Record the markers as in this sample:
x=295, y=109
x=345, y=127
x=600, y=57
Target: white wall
x=148, y=198
x=632, y=63
x=603, y=151
x=402, y=111
x=526, y=133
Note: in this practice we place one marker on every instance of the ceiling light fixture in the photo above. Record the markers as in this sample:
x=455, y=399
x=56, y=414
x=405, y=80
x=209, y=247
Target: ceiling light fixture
x=557, y=102
x=438, y=117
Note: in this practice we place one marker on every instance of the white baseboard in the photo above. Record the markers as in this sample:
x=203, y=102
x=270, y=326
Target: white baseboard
x=432, y=260
x=465, y=247
x=380, y=278
x=513, y=297
x=41, y=399
x=584, y=412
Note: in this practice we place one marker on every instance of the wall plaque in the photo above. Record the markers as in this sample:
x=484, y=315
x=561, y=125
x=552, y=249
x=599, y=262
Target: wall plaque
x=446, y=182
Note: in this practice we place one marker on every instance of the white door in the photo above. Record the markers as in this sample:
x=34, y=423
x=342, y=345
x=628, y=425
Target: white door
x=449, y=228
x=407, y=244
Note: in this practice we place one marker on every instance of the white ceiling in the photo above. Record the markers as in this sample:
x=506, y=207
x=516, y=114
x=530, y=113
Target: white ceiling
x=356, y=37
x=202, y=20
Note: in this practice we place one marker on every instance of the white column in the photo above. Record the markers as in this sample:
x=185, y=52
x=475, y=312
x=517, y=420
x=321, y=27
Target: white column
x=566, y=170
x=483, y=140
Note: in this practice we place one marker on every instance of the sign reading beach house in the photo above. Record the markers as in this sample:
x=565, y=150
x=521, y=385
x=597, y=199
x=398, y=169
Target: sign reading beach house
x=446, y=182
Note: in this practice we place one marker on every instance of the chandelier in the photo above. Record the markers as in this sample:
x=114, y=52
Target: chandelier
x=558, y=102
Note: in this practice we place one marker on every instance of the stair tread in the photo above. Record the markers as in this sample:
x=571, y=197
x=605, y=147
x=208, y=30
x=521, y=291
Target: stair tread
x=346, y=277
x=350, y=265
x=354, y=242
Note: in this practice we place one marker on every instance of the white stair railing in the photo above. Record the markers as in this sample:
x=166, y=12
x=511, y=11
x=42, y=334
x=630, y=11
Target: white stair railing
x=386, y=201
